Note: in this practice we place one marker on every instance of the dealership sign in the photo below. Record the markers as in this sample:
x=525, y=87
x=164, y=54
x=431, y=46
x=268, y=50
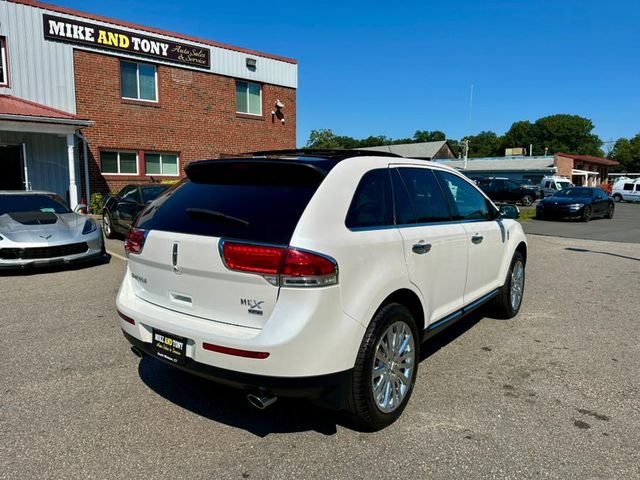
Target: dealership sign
x=98, y=36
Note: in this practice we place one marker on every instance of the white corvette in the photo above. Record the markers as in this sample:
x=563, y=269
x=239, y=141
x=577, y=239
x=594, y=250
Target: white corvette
x=39, y=229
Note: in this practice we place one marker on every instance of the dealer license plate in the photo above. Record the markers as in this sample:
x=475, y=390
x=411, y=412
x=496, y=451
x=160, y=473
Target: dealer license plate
x=169, y=347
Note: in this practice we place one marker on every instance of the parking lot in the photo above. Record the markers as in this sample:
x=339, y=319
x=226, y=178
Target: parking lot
x=553, y=393
x=623, y=227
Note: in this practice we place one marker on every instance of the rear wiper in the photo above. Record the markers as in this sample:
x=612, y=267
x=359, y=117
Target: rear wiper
x=213, y=214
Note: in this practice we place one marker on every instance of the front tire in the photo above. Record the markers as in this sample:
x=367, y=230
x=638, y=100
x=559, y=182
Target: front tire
x=385, y=369
x=586, y=213
x=507, y=304
x=610, y=211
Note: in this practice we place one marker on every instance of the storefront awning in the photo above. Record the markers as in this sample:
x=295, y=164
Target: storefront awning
x=18, y=114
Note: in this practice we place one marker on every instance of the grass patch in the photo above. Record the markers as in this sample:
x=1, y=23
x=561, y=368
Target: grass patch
x=527, y=214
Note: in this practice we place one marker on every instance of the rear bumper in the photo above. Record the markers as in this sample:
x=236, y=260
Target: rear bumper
x=327, y=390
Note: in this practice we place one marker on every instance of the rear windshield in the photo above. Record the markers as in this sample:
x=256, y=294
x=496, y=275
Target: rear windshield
x=32, y=203
x=254, y=201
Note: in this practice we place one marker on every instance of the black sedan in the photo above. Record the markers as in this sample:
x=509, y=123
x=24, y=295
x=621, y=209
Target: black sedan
x=120, y=210
x=505, y=190
x=582, y=203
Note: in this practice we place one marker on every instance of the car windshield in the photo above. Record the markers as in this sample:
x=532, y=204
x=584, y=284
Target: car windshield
x=39, y=202
x=575, y=192
x=151, y=193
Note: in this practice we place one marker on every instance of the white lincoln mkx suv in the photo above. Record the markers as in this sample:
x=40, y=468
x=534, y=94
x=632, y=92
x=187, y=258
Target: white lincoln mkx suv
x=316, y=274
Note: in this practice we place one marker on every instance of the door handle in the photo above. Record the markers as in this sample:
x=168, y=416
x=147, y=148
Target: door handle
x=477, y=239
x=421, y=248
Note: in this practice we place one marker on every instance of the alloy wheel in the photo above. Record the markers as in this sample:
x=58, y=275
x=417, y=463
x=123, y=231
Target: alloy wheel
x=393, y=367
x=517, y=285
x=106, y=224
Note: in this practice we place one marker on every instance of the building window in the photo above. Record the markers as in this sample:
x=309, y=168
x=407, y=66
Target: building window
x=119, y=163
x=4, y=78
x=139, y=81
x=248, y=98
x=161, y=164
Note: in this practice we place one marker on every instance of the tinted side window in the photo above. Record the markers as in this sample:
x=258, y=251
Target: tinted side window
x=372, y=203
x=405, y=214
x=512, y=185
x=628, y=186
x=426, y=195
x=468, y=203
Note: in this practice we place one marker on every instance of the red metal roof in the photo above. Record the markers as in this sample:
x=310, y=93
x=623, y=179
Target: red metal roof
x=591, y=159
x=10, y=105
x=70, y=11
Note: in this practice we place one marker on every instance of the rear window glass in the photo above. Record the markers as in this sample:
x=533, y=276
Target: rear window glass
x=254, y=201
x=32, y=203
x=151, y=193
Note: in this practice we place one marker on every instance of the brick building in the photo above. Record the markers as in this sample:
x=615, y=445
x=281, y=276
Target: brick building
x=89, y=103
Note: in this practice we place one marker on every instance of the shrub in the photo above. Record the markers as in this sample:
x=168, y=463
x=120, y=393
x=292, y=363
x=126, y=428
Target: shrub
x=95, y=203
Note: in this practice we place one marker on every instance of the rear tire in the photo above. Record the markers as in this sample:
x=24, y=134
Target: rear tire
x=382, y=382
x=107, y=225
x=617, y=197
x=527, y=200
x=507, y=304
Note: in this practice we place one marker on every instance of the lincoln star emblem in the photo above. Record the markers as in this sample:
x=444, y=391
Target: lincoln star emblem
x=46, y=237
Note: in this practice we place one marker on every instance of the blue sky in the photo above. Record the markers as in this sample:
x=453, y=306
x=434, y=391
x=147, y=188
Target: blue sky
x=391, y=68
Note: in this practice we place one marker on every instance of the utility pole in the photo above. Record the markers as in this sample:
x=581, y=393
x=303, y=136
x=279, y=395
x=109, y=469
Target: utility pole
x=465, y=149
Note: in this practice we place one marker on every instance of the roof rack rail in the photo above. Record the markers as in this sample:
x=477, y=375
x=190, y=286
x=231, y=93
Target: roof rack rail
x=333, y=153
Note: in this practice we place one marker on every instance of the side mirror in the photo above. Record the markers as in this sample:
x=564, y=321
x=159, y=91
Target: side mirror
x=509, y=211
x=80, y=208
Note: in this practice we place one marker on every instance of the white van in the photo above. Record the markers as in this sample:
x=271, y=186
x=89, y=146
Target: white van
x=627, y=189
x=552, y=185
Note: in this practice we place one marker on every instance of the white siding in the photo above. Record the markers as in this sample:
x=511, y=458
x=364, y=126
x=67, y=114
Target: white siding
x=39, y=71
x=47, y=162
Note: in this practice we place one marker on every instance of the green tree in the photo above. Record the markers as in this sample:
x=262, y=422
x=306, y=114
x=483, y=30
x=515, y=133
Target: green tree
x=566, y=133
x=522, y=134
x=627, y=152
x=484, y=144
x=428, y=136
x=325, y=138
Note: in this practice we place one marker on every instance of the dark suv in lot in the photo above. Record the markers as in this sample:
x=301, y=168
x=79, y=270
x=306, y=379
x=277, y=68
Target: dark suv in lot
x=505, y=190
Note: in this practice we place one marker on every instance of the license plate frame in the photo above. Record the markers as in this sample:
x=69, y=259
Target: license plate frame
x=169, y=347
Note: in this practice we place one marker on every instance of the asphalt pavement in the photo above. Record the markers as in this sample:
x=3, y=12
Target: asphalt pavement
x=552, y=393
x=623, y=227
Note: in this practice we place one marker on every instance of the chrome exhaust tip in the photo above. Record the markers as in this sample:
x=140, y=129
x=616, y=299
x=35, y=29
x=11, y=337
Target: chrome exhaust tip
x=261, y=401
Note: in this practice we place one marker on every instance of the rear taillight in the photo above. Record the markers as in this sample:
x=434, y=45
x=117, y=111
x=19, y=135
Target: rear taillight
x=134, y=240
x=284, y=266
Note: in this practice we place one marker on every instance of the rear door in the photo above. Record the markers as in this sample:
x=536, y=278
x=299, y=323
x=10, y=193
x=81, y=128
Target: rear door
x=435, y=247
x=485, y=235
x=181, y=267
